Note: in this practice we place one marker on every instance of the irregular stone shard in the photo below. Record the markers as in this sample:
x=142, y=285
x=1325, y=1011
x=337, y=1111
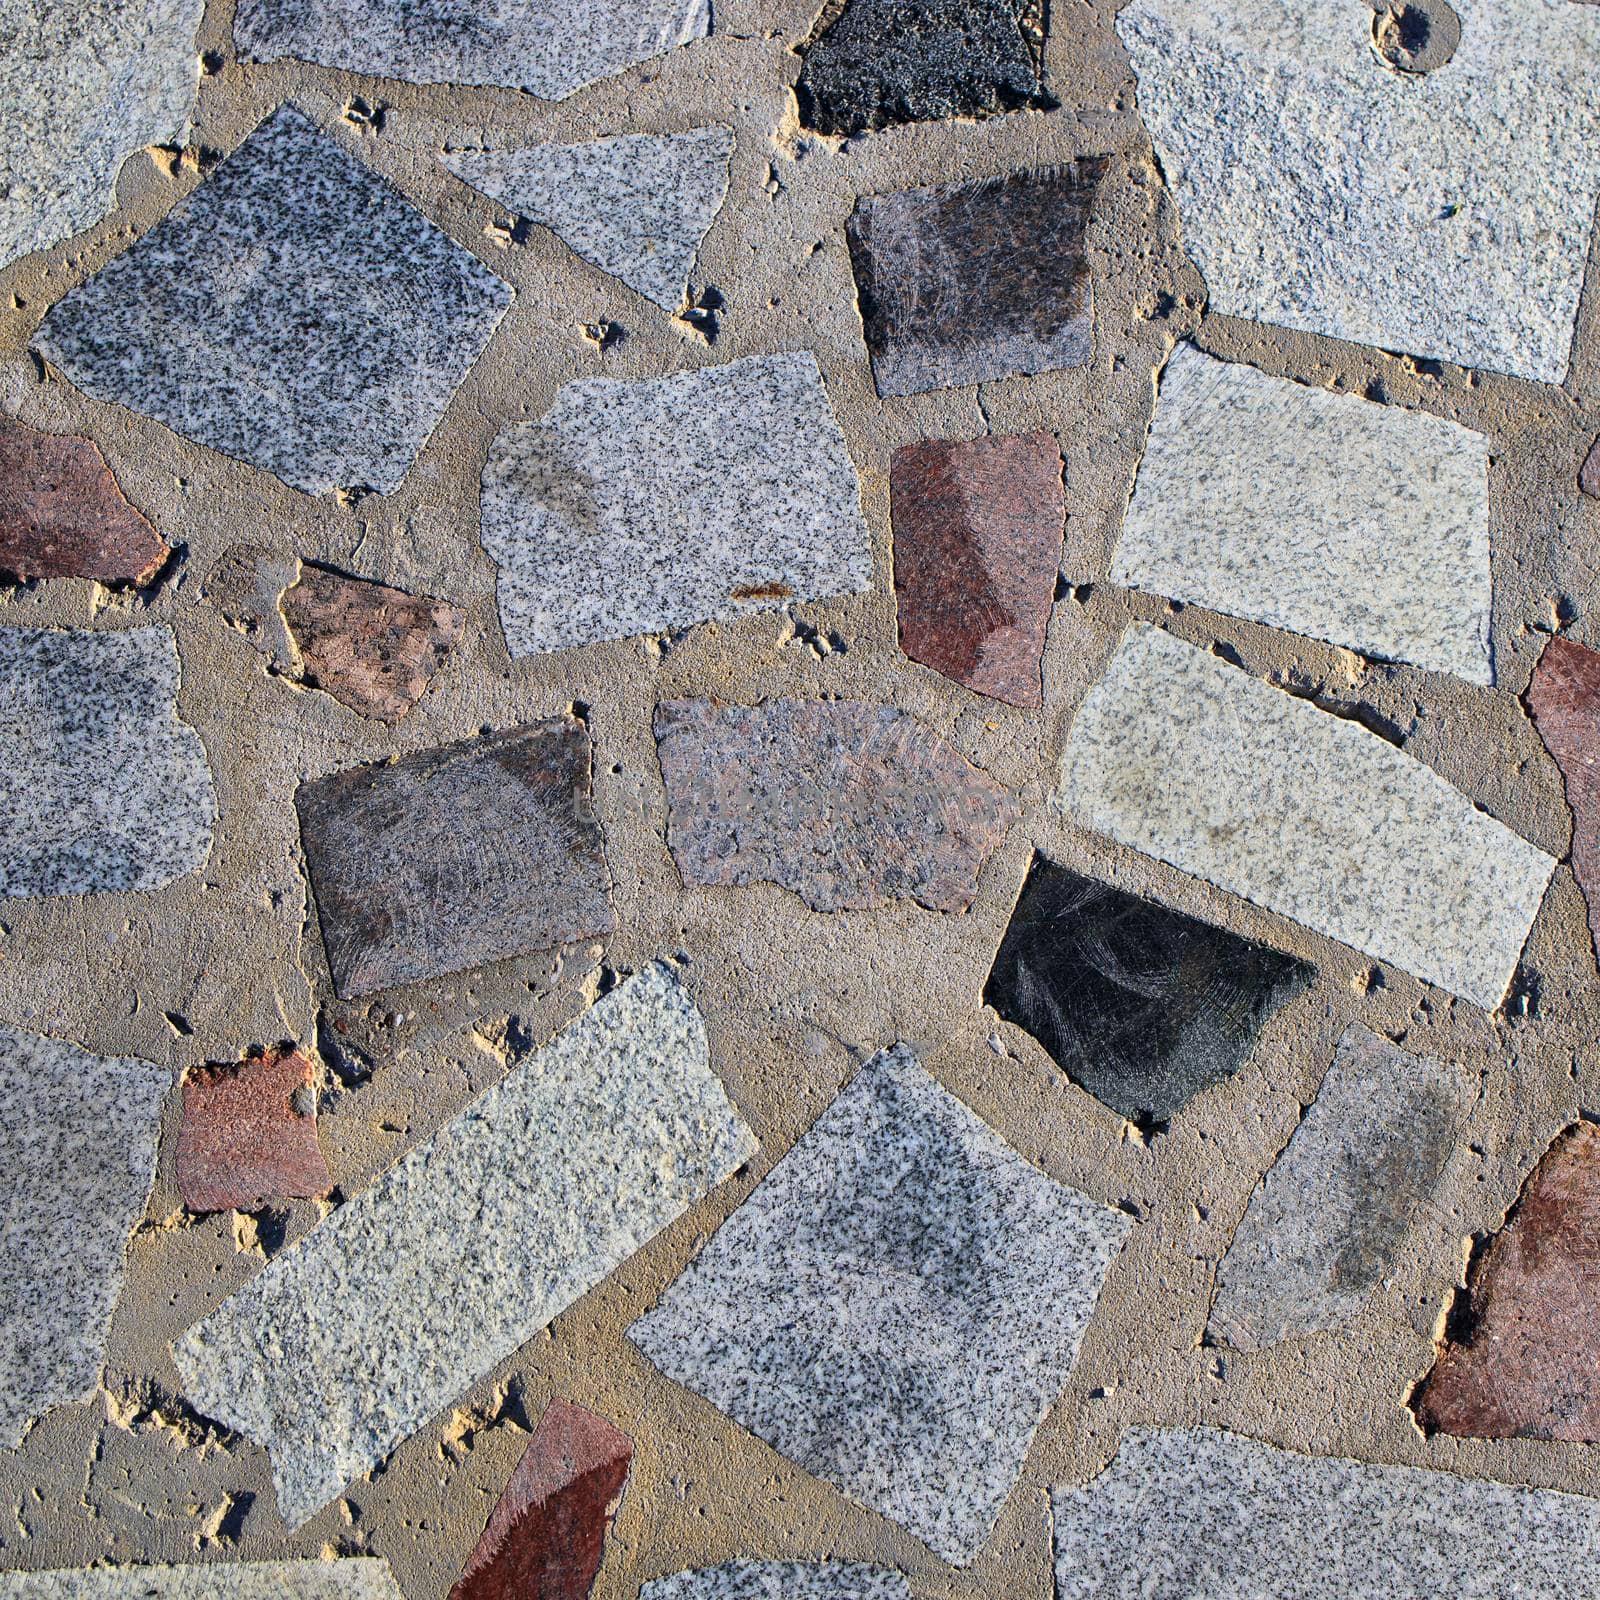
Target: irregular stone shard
x=638, y=507
x=63, y=516
x=1525, y=1360
x=1324, y=1228
x=1141, y=1005
x=350, y=1578
x=548, y=49
x=636, y=206
x=295, y=311
x=1195, y=762
x=1190, y=1512
x=101, y=786
x=413, y=1291
x=976, y=281
x=896, y=1306
x=1589, y=473
x=847, y=805
x=78, y=1138
x=781, y=1580
x=246, y=586
x=249, y=1134
x=1348, y=521
x=1286, y=213
x=547, y=1532
x=454, y=857
x=977, y=547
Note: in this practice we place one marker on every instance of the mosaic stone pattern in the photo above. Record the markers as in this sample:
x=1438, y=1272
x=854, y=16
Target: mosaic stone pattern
x=349, y=1578
x=781, y=1580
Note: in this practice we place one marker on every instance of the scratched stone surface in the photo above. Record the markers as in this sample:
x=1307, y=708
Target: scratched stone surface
x=781, y=1580
x=346, y=1578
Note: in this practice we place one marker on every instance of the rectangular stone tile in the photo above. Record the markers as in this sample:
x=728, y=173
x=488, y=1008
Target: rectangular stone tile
x=349, y=1578
x=1193, y=761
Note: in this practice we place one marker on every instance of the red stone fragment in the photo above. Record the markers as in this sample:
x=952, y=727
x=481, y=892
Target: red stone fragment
x=63, y=516
x=977, y=546
x=1528, y=1365
x=547, y=1533
x=1589, y=474
x=249, y=1134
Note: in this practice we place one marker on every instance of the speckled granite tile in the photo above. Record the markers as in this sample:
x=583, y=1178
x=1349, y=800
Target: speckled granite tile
x=348, y=1578
x=1290, y=220
x=1326, y=1225
x=413, y=1291
x=1193, y=761
x=1143, y=1006
x=636, y=206
x=296, y=311
x=101, y=786
x=78, y=1140
x=637, y=507
x=781, y=1580
x=896, y=1306
x=1344, y=520
x=1192, y=1512
x=848, y=805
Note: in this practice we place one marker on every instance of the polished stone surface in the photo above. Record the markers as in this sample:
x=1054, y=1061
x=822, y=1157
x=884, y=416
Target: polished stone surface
x=347, y=1578
x=781, y=1580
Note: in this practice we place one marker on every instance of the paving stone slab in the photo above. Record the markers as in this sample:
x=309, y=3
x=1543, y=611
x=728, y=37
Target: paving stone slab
x=350, y=1578
x=296, y=311
x=1342, y=519
x=781, y=1580
x=896, y=1306
x=416, y=1289
x=78, y=1137
x=634, y=508
x=1193, y=761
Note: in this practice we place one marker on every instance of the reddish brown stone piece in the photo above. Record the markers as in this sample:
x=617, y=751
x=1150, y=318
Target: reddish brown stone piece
x=63, y=516
x=1528, y=1365
x=547, y=1533
x=1589, y=474
x=977, y=547
x=249, y=1134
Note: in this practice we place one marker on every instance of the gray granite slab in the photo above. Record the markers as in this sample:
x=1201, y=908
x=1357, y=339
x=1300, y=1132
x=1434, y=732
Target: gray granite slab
x=476, y=1239
x=549, y=48
x=1193, y=1514
x=78, y=1138
x=1470, y=248
x=296, y=311
x=1178, y=754
x=636, y=507
x=636, y=206
x=101, y=786
x=896, y=1306
x=1325, y=1227
x=85, y=83
x=1345, y=520
x=353, y=1578
x=781, y=1580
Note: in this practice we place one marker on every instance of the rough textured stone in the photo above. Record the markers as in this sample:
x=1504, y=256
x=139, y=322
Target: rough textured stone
x=547, y=1532
x=101, y=786
x=638, y=507
x=976, y=281
x=636, y=206
x=1523, y=1360
x=1325, y=513
x=896, y=1305
x=1141, y=1005
x=847, y=805
x=351, y=1578
x=85, y=83
x=1326, y=1225
x=249, y=1134
x=1589, y=473
x=977, y=547
x=450, y=858
x=781, y=1580
x=1193, y=761
x=549, y=49
x=418, y=1287
x=1189, y=1512
x=1265, y=118
x=295, y=311
x=78, y=1149
x=246, y=586
x=63, y=516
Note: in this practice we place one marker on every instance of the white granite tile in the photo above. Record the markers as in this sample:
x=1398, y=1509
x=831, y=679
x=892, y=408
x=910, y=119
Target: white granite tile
x=1195, y=762
x=1193, y=1513
x=1466, y=242
x=636, y=507
x=78, y=1137
x=475, y=1240
x=896, y=1306
x=781, y=1580
x=1345, y=520
x=355, y=1578
x=101, y=786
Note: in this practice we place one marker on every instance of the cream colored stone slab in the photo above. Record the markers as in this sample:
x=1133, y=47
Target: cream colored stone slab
x=359, y=1578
